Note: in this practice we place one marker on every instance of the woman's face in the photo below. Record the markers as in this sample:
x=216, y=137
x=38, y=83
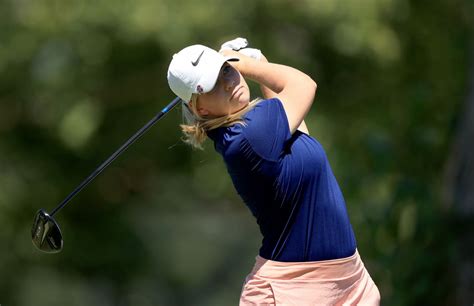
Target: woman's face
x=230, y=94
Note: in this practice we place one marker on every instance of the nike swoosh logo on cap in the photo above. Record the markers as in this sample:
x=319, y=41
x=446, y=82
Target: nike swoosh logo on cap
x=196, y=62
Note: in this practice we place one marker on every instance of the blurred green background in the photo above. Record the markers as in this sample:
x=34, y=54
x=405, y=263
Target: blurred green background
x=163, y=225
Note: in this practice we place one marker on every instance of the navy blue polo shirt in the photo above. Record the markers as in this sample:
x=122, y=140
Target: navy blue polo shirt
x=287, y=183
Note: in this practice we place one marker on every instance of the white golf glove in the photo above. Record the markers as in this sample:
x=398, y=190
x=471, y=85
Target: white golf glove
x=240, y=44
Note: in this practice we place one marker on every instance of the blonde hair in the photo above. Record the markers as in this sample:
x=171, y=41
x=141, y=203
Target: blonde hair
x=195, y=127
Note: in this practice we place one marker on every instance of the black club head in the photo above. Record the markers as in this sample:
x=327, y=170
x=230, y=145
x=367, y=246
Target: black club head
x=46, y=234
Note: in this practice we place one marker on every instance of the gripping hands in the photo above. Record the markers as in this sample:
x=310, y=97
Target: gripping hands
x=241, y=45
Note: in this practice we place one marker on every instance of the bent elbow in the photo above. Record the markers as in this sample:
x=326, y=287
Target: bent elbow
x=312, y=86
x=310, y=83
x=313, y=83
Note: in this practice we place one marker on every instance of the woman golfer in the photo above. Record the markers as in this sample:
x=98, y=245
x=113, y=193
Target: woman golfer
x=308, y=254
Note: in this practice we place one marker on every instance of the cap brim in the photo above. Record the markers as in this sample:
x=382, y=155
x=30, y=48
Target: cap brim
x=209, y=79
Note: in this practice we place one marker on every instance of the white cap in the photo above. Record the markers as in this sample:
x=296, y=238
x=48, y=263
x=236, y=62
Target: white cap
x=195, y=70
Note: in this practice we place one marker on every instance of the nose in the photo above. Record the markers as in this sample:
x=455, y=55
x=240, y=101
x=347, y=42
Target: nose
x=231, y=81
x=229, y=84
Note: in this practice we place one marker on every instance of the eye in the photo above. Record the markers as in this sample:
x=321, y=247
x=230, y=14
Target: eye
x=226, y=69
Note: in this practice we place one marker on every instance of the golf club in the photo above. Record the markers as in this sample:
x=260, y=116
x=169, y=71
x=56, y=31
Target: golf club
x=45, y=233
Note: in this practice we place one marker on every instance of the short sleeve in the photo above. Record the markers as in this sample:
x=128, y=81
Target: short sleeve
x=267, y=129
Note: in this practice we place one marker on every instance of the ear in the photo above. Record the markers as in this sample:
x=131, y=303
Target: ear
x=201, y=110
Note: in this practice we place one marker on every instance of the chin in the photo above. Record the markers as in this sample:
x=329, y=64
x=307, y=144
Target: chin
x=240, y=105
x=244, y=102
x=245, y=98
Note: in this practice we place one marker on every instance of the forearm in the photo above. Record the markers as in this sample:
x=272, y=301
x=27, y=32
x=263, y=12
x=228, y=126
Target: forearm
x=274, y=77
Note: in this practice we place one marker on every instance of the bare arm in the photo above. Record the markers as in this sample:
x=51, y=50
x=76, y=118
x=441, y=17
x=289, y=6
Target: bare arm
x=266, y=92
x=295, y=89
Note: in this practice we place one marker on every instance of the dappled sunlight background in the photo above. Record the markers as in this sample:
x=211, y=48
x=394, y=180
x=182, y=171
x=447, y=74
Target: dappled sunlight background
x=163, y=224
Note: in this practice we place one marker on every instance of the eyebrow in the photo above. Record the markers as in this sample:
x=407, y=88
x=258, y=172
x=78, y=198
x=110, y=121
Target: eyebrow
x=221, y=71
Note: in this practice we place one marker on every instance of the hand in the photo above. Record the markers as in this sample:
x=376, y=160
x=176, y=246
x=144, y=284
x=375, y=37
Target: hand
x=230, y=52
x=251, y=52
x=241, y=44
x=235, y=44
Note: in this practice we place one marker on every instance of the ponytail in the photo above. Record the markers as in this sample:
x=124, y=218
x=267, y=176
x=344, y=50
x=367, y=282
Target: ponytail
x=195, y=127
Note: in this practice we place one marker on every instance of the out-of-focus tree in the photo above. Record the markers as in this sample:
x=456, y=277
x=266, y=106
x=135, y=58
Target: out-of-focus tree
x=459, y=192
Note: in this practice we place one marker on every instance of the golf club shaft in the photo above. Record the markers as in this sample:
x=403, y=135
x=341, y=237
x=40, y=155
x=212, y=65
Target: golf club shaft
x=119, y=151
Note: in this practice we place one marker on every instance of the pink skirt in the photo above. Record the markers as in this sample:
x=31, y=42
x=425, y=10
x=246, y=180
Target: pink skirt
x=342, y=281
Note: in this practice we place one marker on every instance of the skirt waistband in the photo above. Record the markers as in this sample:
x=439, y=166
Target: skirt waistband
x=314, y=270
